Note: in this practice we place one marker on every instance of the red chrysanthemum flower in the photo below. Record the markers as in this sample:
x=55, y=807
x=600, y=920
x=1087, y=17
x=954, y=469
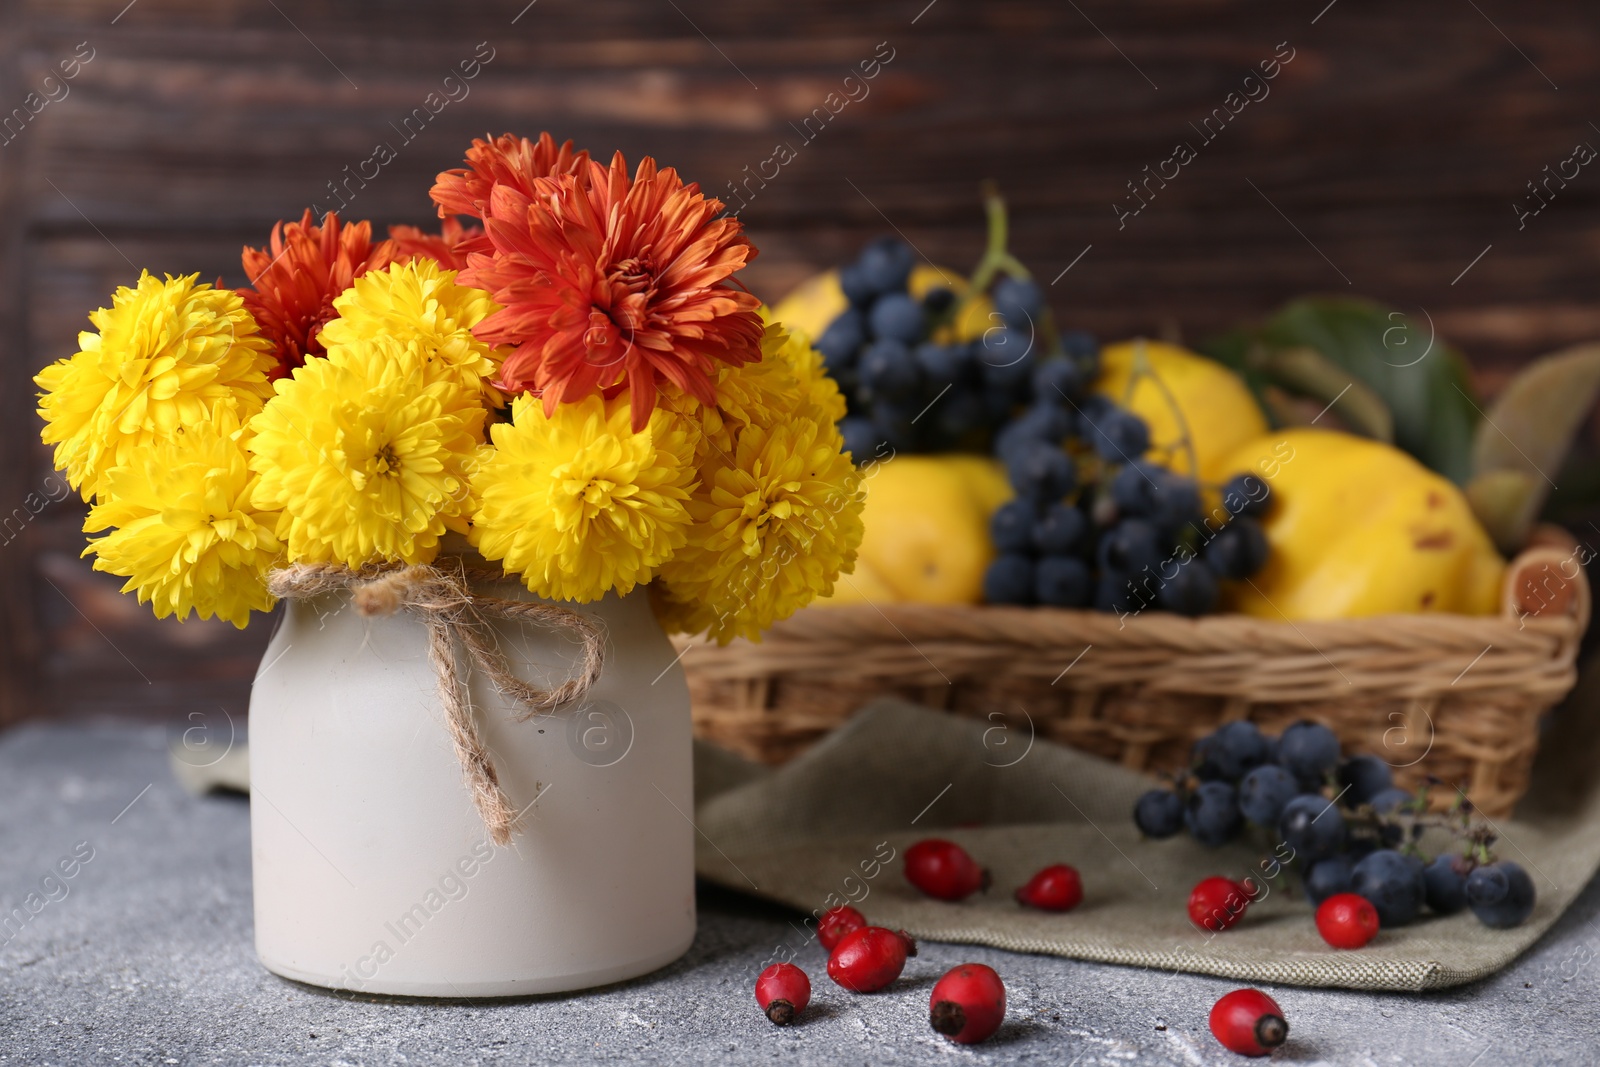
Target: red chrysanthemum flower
x=609, y=282
x=449, y=247
x=297, y=277
x=506, y=160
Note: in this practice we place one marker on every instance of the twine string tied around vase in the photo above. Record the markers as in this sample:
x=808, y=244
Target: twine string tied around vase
x=440, y=595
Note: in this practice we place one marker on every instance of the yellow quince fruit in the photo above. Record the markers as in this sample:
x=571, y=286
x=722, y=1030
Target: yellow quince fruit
x=1179, y=388
x=1360, y=528
x=927, y=530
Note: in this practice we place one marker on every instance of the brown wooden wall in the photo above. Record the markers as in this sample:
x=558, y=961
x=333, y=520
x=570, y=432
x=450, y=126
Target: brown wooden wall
x=1388, y=155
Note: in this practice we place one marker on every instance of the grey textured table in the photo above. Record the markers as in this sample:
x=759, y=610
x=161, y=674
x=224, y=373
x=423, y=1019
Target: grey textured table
x=147, y=959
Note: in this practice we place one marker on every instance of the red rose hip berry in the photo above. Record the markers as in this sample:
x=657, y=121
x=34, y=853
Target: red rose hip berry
x=1056, y=888
x=968, y=1004
x=943, y=870
x=1248, y=1022
x=868, y=959
x=783, y=991
x=1217, y=903
x=836, y=922
x=1347, y=920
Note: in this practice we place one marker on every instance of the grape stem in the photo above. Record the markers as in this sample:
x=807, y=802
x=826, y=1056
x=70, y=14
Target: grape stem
x=995, y=257
x=1143, y=368
x=1410, y=818
x=997, y=260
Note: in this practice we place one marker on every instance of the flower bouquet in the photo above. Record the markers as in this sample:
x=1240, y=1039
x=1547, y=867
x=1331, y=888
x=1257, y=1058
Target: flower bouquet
x=566, y=390
x=573, y=383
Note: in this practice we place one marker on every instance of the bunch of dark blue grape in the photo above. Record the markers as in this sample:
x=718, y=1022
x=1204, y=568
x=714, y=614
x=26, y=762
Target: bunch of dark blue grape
x=907, y=392
x=1346, y=824
x=1094, y=523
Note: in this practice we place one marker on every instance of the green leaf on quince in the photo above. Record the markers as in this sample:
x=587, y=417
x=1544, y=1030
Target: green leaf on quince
x=1389, y=366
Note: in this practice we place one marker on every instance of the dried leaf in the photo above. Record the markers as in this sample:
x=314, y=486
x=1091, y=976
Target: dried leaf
x=1506, y=503
x=1527, y=433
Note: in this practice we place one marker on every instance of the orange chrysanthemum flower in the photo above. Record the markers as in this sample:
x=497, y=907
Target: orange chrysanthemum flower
x=506, y=160
x=297, y=277
x=449, y=247
x=608, y=282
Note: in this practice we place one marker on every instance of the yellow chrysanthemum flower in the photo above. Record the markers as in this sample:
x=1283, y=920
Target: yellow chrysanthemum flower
x=775, y=524
x=367, y=455
x=166, y=353
x=578, y=503
x=421, y=301
x=763, y=393
x=794, y=348
x=186, y=535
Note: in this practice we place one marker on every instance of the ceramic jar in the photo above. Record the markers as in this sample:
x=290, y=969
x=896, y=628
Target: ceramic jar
x=373, y=870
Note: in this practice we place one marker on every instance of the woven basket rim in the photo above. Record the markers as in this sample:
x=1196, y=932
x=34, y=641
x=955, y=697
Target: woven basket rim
x=1510, y=655
x=1365, y=625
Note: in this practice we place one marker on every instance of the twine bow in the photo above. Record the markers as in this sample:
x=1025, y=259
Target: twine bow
x=441, y=598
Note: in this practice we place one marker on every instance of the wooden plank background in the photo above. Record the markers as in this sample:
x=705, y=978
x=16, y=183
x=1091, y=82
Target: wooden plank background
x=1387, y=158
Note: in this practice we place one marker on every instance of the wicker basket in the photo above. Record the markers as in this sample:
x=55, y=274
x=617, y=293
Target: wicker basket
x=1455, y=697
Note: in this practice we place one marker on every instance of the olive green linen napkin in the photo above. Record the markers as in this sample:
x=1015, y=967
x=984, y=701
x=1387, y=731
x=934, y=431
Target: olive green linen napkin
x=831, y=826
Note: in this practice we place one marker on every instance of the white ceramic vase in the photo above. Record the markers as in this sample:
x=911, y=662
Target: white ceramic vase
x=372, y=869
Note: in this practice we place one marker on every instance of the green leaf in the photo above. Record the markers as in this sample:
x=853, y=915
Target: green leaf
x=1420, y=380
x=1235, y=350
x=1308, y=371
